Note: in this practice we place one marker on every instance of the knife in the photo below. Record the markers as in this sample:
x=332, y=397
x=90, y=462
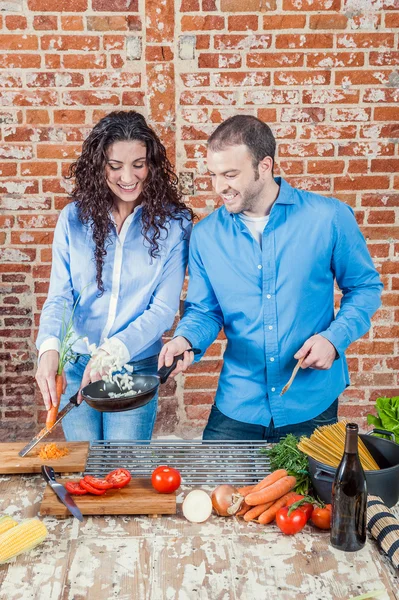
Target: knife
x=73, y=401
x=63, y=495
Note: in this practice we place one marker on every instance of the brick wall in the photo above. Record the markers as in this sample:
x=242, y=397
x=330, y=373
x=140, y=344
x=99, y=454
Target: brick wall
x=323, y=73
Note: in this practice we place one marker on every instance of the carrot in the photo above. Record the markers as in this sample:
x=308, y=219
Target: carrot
x=53, y=412
x=268, y=515
x=245, y=490
x=272, y=478
x=255, y=511
x=244, y=508
x=272, y=492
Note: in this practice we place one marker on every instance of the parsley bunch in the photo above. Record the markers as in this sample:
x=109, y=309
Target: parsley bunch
x=286, y=455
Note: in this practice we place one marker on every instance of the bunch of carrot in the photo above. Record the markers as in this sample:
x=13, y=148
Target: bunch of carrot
x=263, y=500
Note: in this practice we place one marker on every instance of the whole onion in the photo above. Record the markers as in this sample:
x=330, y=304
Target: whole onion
x=226, y=500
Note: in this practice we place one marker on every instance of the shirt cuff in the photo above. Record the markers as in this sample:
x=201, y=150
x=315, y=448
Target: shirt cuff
x=339, y=344
x=52, y=343
x=115, y=347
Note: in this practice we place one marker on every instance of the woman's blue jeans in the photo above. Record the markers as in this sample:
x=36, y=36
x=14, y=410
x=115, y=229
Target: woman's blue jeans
x=87, y=424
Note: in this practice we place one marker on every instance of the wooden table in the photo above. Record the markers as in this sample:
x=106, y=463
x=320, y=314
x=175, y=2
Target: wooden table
x=168, y=558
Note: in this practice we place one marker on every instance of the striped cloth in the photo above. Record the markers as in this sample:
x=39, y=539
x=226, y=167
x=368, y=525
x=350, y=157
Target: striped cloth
x=384, y=527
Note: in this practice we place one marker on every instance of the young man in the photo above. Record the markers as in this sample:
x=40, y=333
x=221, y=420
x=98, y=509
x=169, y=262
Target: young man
x=263, y=267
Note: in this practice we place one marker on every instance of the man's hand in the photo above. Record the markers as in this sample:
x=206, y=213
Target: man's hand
x=319, y=352
x=173, y=348
x=88, y=376
x=45, y=377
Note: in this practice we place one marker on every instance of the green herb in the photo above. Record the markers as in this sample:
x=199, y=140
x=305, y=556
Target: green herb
x=286, y=455
x=388, y=415
x=67, y=333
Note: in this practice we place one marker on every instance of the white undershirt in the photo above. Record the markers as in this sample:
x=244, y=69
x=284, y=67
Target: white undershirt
x=255, y=225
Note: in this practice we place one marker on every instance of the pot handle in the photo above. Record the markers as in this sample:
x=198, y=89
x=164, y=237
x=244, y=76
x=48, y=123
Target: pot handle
x=320, y=475
x=164, y=371
x=390, y=434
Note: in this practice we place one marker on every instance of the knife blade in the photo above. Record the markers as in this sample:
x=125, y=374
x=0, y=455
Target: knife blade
x=73, y=401
x=63, y=495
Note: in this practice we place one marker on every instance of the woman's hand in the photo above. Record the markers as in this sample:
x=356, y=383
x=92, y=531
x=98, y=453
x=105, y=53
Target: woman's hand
x=89, y=376
x=45, y=377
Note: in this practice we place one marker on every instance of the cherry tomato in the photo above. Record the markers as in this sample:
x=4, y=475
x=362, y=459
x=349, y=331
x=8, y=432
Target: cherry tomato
x=119, y=478
x=74, y=487
x=321, y=517
x=306, y=507
x=165, y=479
x=100, y=484
x=291, y=524
x=92, y=490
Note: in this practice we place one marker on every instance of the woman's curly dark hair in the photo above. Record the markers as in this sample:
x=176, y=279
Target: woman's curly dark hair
x=160, y=199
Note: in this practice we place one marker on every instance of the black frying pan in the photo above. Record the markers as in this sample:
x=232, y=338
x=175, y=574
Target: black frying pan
x=97, y=394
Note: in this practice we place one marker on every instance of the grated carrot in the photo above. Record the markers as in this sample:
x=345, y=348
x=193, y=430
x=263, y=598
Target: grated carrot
x=51, y=450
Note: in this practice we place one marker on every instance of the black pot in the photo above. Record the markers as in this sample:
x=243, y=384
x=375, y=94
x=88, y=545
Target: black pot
x=383, y=483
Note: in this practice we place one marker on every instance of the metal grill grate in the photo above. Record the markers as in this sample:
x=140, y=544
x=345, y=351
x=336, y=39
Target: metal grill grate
x=200, y=463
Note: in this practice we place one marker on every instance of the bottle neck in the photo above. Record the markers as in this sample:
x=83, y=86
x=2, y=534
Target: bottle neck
x=351, y=440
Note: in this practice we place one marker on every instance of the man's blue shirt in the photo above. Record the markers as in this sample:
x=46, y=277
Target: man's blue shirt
x=270, y=300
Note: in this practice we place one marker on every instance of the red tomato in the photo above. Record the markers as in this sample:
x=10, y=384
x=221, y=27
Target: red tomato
x=74, y=487
x=92, y=490
x=100, y=484
x=119, y=478
x=306, y=507
x=290, y=524
x=321, y=517
x=165, y=479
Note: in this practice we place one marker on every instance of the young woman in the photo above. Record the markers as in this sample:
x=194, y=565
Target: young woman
x=122, y=245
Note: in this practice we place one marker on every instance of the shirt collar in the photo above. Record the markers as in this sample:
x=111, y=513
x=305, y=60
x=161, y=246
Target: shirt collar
x=286, y=195
x=130, y=217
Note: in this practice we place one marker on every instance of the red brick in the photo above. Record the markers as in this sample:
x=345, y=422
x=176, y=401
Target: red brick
x=38, y=168
x=14, y=22
x=45, y=23
x=158, y=53
x=366, y=40
x=134, y=23
x=386, y=113
x=274, y=22
x=115, y=79
x=69, y=116
x=332, y=60
x=358, y=166
x=133, y=98
x=301, y=149
x=58, y=151
x=290, y=167
x=8, y=169
x=311, y=5
x=243, y=23
x=275, y=59
x=202, y=42
x=322, y=131
x=87, y=98
x=381, y=217
x=381, y=233
x=267, y=115
x=366, y=149
x=117, y=61
x=191, y=80
x=310, y=40
x=381, y=165
x=72, y=23
x=206, y=23
x=189, y=6
x=384, y=58
x=240, y=79
x=361, y=77
x=122, y=6
x=31, y=237
x=156, y=13
x=328, y=21
x=18, y=42
x=83, y=62
x=114, y=42
x=242, y=42
x=52, y=61
x=361, y=183
x=70, y=42
x=383, y=95
x=27, y=98
x=325, y=166
x=37, y=117
x=62, y=5
x=302, y=78
x=219, y=61
x=209, y=5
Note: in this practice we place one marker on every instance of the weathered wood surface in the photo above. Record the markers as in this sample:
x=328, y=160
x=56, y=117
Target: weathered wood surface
x=74, y=461
x=171, y=559
x=137, y=498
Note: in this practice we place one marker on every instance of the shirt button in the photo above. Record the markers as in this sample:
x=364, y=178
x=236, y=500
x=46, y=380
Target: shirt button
x=272, y=359
x=259, y=266
x=273, y=389
x=270, y=327
x=268, y=296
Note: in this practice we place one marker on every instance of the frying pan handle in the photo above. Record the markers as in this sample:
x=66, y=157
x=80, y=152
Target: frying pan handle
x=74, y=399
x=165, y=371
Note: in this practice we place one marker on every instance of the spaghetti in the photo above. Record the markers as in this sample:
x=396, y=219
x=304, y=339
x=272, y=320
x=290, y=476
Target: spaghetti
x=327, y=444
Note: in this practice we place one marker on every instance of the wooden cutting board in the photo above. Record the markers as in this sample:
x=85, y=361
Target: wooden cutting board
x=11, y=463
x=137, y=498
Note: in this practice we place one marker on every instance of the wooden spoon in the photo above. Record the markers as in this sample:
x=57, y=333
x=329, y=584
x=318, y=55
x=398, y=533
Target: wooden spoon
x=291, y=379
